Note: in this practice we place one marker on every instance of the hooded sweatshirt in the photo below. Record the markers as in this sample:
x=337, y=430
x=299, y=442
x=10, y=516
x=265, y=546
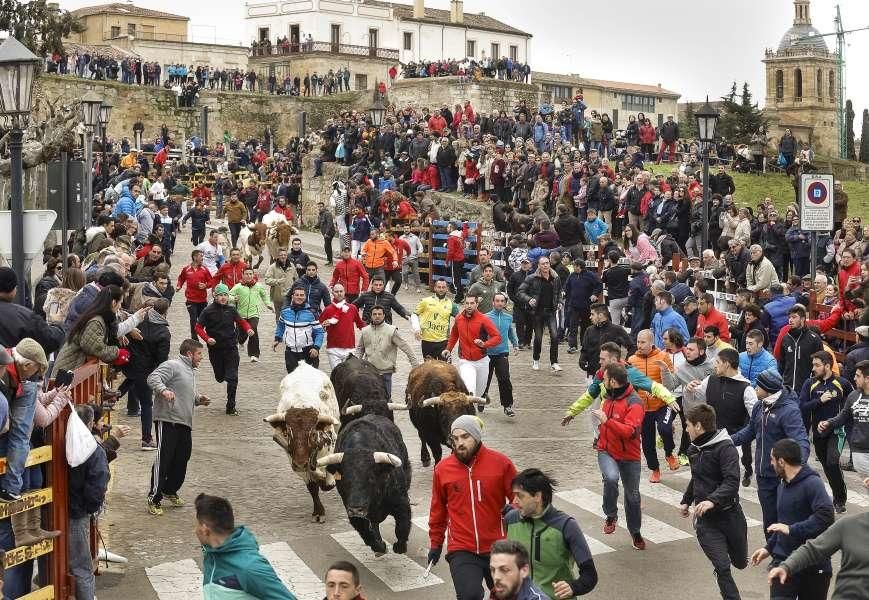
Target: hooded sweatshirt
x=238, y=566
x=714, y=471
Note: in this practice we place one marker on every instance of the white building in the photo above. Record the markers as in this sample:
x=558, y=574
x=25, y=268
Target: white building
x=417, y=32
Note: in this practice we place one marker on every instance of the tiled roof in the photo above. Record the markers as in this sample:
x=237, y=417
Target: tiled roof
x=106, y=50
x=541, y=77
x=631, y=87
x=442, y=17
x=122, y=8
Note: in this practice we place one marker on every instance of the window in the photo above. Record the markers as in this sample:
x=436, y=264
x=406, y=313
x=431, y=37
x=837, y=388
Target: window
x=832, y=83
x=335, y=33
x=372, y=38
x=638, y=103
x=263, y=34
x=819, y=85
x=798, y=85
x=116, y=32
x=471, y=49
x=558, y=92
x=147, y=32
x=496, y=51
x=779, y=85
x=131, y=29
x=361, y=82
x=514, y=53
x=408, y=40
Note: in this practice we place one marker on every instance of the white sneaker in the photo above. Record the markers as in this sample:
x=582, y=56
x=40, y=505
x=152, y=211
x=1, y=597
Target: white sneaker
x=556, y=368
x=535, y=365
x=405, y=287
x=254, y=359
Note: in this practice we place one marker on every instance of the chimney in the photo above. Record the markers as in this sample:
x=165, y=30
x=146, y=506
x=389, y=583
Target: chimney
x=457, y=12
x=418, y=9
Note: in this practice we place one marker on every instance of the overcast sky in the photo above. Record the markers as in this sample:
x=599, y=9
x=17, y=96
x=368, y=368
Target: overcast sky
x=695, y=47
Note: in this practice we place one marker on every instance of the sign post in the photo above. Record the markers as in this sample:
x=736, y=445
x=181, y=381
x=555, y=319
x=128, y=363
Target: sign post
x=816, y=208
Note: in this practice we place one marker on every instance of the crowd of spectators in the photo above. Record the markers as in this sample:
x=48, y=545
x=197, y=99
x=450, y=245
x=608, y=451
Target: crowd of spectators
x=503, y=68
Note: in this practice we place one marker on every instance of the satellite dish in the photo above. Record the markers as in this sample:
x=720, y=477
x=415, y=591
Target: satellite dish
x=37, y=224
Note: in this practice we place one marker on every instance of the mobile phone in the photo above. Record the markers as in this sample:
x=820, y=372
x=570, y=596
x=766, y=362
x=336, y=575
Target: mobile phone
x=63, y=377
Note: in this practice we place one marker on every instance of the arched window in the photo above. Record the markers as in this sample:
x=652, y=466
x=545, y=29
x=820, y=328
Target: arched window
x=779, y=85
x=819, y=85
x=798, y=84
x=832, y=83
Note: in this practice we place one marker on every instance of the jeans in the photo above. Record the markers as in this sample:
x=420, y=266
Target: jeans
x=446, y=174
x=767, y=494
x=469, y=571
x=629, y=472
x=433, y=349
x=457, y=270
x=234, y=233
x=17, y=580
x=723, y=537
x=197, y=236
x=81, y=564
x=327, y=246
x=387, y=384
x=141, y=398
x=292, y=358
x=539, y=321
x=410, y=272
x=615, y=307
x=663, y=418
x=15, y=443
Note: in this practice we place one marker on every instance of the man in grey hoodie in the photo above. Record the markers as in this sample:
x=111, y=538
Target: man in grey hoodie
x=174, y=385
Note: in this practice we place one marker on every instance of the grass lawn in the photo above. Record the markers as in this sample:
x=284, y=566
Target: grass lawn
x=751, y=189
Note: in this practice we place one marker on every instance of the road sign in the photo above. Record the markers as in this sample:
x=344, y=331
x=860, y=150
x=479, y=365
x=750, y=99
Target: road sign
x=37, y=224
x=816, y=202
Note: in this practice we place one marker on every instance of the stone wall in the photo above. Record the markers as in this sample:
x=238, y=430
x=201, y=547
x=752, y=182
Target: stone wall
x=365, y=71
x=486, y=96
x=242, y=114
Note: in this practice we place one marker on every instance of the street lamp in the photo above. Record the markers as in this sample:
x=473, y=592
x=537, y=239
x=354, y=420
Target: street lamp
x=707, y=119
x=105, y=115
x=377, y=112
x=18, y=67
x=90, y=115
x=138, y=129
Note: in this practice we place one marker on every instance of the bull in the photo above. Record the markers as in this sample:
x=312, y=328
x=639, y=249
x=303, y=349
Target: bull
x=252, y=241
x=360, y=390
x=304, y=426
x=372, y=471
x=436, y=396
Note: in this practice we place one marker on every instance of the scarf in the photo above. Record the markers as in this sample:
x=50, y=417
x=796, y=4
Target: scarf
x=697, y=361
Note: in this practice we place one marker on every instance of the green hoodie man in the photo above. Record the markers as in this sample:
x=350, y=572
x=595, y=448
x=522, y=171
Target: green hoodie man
x=233, y=568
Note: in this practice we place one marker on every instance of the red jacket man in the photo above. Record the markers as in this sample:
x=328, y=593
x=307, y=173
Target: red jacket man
x=467, y=329
x=192, y=276
x=456, y=244
x=437, y=123
x=349, y=272
x=341, y=334
x=231, y=271
x=619, y=434
x=709, y=315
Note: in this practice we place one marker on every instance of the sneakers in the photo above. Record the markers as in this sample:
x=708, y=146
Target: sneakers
x=149, y=446
x=673, y=462
x=556, y=368
x=746, y=480
x=155, y=509
x=535, y=365
x=7, y=496
x=418, y=290
x=639, y=542
x=508, y=410
x=609, y=526
x=406, y=287
x=571, y=350
x=840, y=507
x=254, y=359
x=683, y=460
x=174, y=499
x=232, y=413
x=655, y=477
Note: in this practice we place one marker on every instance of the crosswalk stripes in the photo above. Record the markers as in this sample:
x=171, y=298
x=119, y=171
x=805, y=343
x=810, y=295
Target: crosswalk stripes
x=397, y=571
x=748, y=494
x=654, y=530
x=179, y=580
x=667, y=495
x=421, y=522
x=855, y=498
x=299, y=579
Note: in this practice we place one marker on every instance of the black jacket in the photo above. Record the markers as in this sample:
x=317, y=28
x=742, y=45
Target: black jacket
x=18, y=322
x=795, y=362
x=737, y=264
x=87, y=485
x=219, y=322
x=597, y=335
x=714, y=471
x=531, y=288
x=151, y=351
x=501, y=216
x=722, y=183
x=856, y=354
x=367, y=300
x=616, y=280
x=516, y=279
x=569, y=230
x=316, y=293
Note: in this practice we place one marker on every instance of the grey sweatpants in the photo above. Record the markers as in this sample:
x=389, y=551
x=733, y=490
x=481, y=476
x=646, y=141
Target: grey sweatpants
x=81, y=565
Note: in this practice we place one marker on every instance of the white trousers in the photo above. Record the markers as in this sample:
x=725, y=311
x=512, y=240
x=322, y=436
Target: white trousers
x=337, y=355
x=474, y=374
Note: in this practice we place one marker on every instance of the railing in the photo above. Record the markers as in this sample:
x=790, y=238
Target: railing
x=263, y=50
x=56, y=581
x=150, y=36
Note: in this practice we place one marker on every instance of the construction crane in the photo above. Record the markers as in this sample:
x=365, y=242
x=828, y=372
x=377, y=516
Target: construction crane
x=840, y=34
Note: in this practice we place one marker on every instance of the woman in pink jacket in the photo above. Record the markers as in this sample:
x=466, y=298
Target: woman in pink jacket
x=638, y=247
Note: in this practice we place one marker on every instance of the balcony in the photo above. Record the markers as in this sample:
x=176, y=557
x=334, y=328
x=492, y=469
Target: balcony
x=268, y=50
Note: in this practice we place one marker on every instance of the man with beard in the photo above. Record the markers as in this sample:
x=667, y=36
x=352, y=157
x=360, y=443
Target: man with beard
x=469, y=489
x=431, y=321
x=510, y=572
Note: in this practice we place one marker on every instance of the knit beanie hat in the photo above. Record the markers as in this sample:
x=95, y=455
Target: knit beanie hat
x=30, y=349
x=221, y=288
x=472, y=424
x=8, y=280
x=770, y=380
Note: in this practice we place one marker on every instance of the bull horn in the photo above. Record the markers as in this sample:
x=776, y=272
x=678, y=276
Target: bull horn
x=386, y=458
x=352, y=410
x=477, y=399
x=397, y=406
x=327, y=419
x=331, y=459
x=434, y=401
x=275, y=418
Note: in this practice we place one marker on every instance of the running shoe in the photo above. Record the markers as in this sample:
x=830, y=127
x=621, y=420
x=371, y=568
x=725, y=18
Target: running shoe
x=655, y=477
x=535, y=365
x=149, y=446
x=174, y=499
x=155, y=509
x=639, y=542
x=609, y=526
x=683, y=460
x=556, y=368
x=508, y=410
x=673, y=462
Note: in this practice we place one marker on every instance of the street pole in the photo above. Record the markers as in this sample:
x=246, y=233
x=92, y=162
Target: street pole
x=104, y=170
x=706, y=199
x=89, y=176
x=813, y=264
x=64, y=195
x=17, y=206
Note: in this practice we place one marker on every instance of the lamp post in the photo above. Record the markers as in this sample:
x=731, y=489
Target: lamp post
x=138, y=129
x=105, y=116
x=18, y=67
x=375, y=115
x=707, y=119
x=90, y=113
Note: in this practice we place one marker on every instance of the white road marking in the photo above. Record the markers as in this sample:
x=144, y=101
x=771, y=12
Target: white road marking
x=652, y=529
x=855, y=498
x=596, y=546
x=421, y=522
x=397, y=571
x=667, y=495
x=180, y=580
x=295, y=574
x=749, y=494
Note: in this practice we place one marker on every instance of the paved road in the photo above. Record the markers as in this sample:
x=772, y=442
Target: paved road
x=236, y=458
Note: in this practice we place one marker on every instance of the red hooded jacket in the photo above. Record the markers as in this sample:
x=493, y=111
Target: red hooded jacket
x=348, y=272
x=456, y=245
x=619, y=435
x=717, y=318
x=230, y=274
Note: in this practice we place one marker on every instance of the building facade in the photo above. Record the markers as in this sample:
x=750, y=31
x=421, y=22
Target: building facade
x=802, y=87
x=409, y=33
x=617, y=99
x=106, y=22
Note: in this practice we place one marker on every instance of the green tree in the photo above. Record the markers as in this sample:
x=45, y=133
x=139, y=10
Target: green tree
x=740, y=116
x=37, y=25
x=864, y=138
x=851, y=153
x=688, y=125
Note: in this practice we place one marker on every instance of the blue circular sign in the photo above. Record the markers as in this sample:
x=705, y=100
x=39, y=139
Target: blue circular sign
x=817, y=192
